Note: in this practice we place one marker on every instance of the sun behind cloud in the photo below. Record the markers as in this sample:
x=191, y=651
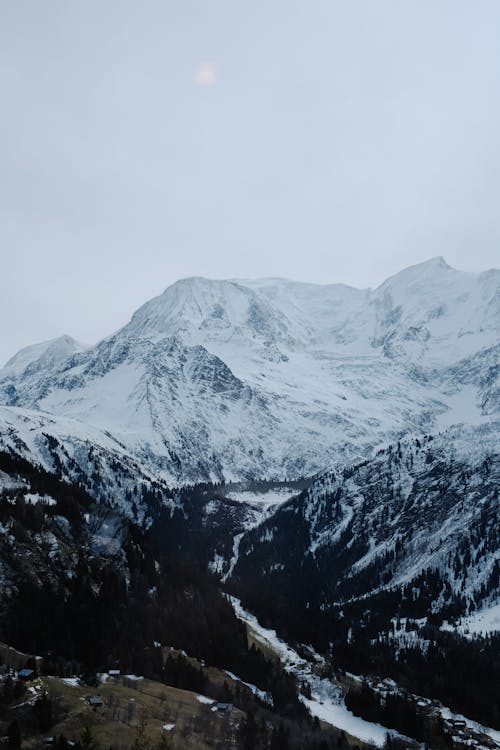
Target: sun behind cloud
x=206, y=74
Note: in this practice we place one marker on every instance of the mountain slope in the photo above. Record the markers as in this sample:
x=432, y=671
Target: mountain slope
x=43, y=356
x=422, y=508
x=87, y=589
x=391, y=568
x=233, y=380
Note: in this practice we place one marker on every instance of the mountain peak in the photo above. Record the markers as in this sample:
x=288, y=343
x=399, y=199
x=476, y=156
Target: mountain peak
x=421, y=272
x=211, y=312
x=437, y=262
x=45, y=353
x=276, y=378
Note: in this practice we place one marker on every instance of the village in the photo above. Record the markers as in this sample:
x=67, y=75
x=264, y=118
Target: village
x=118, y=710
x=463, y=732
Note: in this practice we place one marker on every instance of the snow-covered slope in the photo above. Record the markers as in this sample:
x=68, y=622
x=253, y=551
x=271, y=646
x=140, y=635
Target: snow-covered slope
x=79, y=454
x=96, y=462
x=43, y=356
x=421, y=514
x=272, y=378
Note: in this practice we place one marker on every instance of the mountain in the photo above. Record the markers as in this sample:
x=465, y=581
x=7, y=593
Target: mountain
x=43, y=356
x=421, y=514
x=328, y=455
x=233, y=380
x=87, y=590
x=391, y=568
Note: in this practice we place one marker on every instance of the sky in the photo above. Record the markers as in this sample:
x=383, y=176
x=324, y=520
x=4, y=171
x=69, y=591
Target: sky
x=324, y=141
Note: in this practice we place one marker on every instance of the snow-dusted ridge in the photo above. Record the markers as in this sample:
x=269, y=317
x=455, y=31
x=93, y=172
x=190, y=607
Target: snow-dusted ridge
x=77, y=452
x=422, y=513
x=46, y=355
x=231, y=380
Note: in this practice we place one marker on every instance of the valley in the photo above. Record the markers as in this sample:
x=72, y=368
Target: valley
x=279, y=496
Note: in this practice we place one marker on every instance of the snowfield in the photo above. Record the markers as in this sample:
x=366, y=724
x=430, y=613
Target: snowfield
x=485, y=621
x=264, y=499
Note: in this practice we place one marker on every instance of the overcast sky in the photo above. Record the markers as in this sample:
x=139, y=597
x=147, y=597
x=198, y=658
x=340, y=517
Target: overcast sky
x=143, y=141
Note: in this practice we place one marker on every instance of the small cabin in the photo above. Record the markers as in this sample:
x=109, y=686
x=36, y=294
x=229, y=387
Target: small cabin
x=26, y=674
x=95, y=701
x=225, y=707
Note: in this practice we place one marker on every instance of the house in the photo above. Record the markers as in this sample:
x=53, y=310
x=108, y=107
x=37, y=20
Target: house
x=95, y=701
x=227, y=707
x=114, y=673
x=26, y=674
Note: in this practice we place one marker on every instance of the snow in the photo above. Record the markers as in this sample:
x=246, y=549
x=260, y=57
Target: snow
x=71, y=681
x=326, y=700
x=338, y=716
x=234, y=557
x=168, y=727
x=9, y=483
x=35, y=498
x=47, y=353
x=264, y=499
x=108, y=537
x=262, y=694
x=205, y=699
x=484, y=621
x=326, y=697
x=258, y=515
x=317, y=375
x=463, y=407
x=27, y=432
x=415, y=470
x=493, y=733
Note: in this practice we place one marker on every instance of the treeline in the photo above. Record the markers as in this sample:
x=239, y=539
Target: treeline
x=85, y=609
x=397, y=712
x=463, y=673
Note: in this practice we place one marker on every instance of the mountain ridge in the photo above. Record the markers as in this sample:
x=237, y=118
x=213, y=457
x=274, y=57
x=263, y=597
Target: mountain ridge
x=215, y=380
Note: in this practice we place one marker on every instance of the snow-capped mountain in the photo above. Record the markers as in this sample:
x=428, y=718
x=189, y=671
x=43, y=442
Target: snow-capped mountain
x=382, y=405
x=240, y=379
x=422, y=514
x=44, y=356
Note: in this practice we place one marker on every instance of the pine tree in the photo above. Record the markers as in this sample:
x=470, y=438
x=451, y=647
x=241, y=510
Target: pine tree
x=87, y=741
x=141, y=741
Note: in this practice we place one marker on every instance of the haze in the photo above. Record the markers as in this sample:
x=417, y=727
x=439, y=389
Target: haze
x=325, y=141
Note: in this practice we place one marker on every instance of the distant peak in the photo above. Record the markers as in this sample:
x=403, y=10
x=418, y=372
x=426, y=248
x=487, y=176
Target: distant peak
x=198, y=282
x=420, y=272
x=55, y=349
x=437, y=262
x=433, y=264
x=438, y=259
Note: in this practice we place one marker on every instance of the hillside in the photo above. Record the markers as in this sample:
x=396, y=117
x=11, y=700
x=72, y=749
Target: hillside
x=87, y=591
